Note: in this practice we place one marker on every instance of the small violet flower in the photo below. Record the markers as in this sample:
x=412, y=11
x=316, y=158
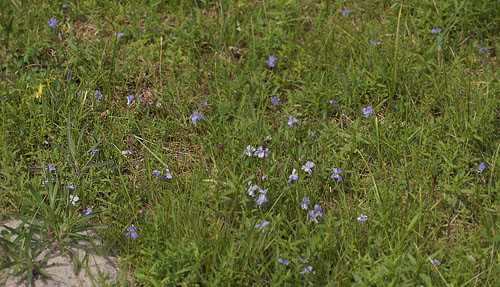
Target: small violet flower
x=251, y=189
x=315, y=213
x=270, y=61
x=64, y=5
x=87, y=210
x=303, y=260
x=283, y=261
x=196, y=116
x=367, y=111
x=50, y=168
x=262, y=197
x=336, y=173
x=346, y=12
x=92, y=152
x=263, y=225
x=293, y=176
x=479, y=168
x=59, y=36
x=333, y=102
x=249, y=150
x=483, y=49
x=291, y=120
x=374, y=43
x=129, y=99
x=304, y=204
x=132, y=232
x=204, y=103
x=312, y=134
x=308, y=269
x=47, y=181
x=119, y=35
x=275, y=100
x=307, y=167
x=70, y=186
x=435, y=262
x=167, y=174
x=155, y=173
x=127, y=152
x=362, y=218
x=98, y=95
x=52, y=22
x=261, y=152
x=73, y=199
x=69, y=75
x=435, y=30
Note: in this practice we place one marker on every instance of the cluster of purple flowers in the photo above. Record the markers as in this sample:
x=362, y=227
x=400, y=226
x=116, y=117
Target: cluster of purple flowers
x=157, y=173
x=261, y=197
x=260, y=152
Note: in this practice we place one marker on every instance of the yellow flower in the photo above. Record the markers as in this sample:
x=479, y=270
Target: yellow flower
x=38, y=94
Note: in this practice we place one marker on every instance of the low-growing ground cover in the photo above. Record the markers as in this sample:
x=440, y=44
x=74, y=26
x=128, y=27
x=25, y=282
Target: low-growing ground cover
x=255, y=143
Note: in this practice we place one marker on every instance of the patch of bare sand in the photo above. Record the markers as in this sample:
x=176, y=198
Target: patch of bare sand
x=97, y=270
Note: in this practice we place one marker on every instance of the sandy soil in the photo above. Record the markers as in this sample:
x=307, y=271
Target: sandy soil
x=102, y=270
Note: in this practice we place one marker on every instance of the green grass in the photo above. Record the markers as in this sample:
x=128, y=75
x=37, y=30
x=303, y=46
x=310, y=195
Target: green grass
x=410, y=166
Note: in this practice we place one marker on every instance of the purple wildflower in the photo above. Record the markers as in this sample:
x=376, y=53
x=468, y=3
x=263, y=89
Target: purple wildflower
x=127, y=152
x=304, y=204
x=291, y=120
x=132, y=232
x=251, y=189
x=129, y=99
x=362, y=218
x=435, y=262
x=155, y=173
x=98, y=95
x=308, y=269
x=336, y=173
x=50, y=168
x=92, y=152
x=204, y=103
x=308, y=166
x=303, y=260
x=196, y=116
x=262, y=197
x=70, y=186
x=367, y=111
x=74, y=199
x=47, y=181
x=52, y=22
x=87, y=210
x=346, y=12
x=312, y=134
x=119, y=35
x=249, y=150
x=333, y=102
x=69, y=76
x=59, y=36
x=482, y=49
x=293, y=176
x=261, y=152
x=263, y=225
x=480, y=168
x=275, y=100
x=374, y=43
x=64, y=5
x=315, y=213
x=270, y=61
x=435, y=30
x=167, y=174
x=283, y=261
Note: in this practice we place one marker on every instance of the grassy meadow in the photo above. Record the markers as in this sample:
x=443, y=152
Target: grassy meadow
x=255, y=143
